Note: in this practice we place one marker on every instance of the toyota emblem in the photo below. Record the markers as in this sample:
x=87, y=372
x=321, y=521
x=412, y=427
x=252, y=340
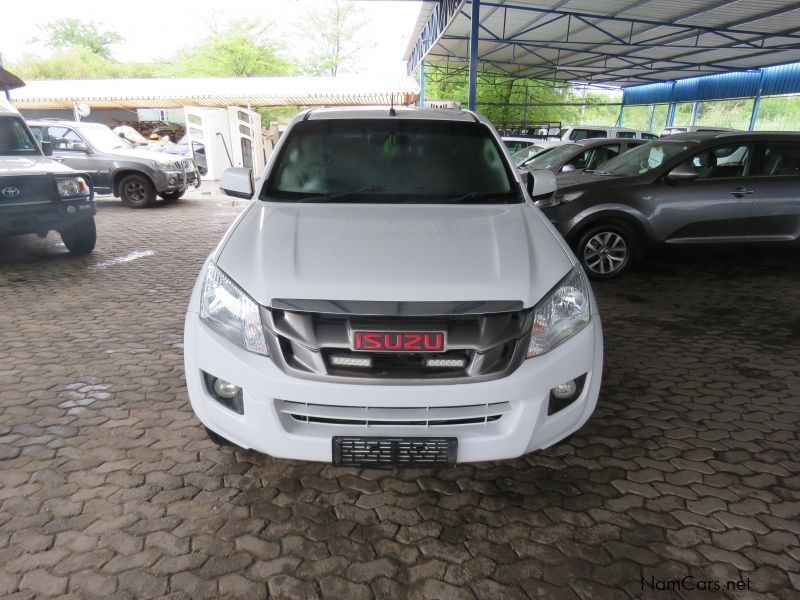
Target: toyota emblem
x=10, y=192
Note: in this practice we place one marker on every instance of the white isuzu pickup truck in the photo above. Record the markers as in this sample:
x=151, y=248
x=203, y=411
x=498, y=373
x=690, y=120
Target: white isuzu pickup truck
x=392, y=297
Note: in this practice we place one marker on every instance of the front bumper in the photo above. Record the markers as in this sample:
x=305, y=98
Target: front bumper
x=523, y=428
x=175, y=181
x=43, y=216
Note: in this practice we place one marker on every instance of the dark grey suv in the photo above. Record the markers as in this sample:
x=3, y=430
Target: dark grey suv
x=691, y=188
x=135, y=175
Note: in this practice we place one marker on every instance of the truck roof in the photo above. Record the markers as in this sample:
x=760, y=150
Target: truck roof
x=401, y=112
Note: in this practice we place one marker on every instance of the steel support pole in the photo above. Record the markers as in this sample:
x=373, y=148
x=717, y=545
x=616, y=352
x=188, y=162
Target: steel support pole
x=695, y=106
x=621, y=112
x=422, y=84
x=652, y=117
x=756, y=104
x=473, y=53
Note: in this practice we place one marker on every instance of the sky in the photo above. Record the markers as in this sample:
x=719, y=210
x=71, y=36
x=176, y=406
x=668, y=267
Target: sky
x=158, y=29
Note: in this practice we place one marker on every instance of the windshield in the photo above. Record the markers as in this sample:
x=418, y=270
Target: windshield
x=521, y=156
x=390, y=160
x=103, y=139
x=547, y=160
x=15, y=140
x=643, y=158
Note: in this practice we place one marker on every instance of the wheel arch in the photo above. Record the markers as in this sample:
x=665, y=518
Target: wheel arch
x=632, y=220
x=123, y=173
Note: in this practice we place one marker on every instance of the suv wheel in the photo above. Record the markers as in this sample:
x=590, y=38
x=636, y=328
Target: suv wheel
x=137, y=191
x=172, y=196
x=605, y=250
x=81, y=237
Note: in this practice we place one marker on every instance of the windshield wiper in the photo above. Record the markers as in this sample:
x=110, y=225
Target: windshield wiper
x=342, y=195
x=480, y=197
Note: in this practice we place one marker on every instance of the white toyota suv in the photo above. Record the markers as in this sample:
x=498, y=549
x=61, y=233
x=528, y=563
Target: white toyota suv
x=392, y=296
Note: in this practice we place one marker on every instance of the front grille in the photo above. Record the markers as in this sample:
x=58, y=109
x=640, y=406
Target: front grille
x=401, y=452
x=26, y=189
x=491, y=345
x=407, y=416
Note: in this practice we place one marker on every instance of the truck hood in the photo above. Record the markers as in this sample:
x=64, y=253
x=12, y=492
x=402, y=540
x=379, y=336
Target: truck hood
x=140, y=154
x=31, y=165
x=393, y=252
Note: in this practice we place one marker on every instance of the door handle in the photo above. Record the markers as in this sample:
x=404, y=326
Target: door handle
x=741, y=192
x=58, y=158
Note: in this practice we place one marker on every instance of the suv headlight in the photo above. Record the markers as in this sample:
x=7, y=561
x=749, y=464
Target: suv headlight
x=163, y=165
x=561, y=314
x=229, y=310
x=558, y=198
x=72, y=187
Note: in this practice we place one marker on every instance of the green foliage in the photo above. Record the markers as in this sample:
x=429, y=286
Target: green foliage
x=237, y=48
x=74, y=33
x=277, y=114
x=510, y=101
x=78, y=63
x=333, y=32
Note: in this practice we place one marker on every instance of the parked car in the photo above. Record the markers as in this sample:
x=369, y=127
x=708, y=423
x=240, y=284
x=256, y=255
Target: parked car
x=689, y=188
x=582, y=155
x=525, y=154
x=37, y=194
x=692, y=129
x=134, y=175
x=515, y=143
x=574, y=133
x=391, y=296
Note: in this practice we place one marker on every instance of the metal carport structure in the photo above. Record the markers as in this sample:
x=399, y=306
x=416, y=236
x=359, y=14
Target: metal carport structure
x=625, y=43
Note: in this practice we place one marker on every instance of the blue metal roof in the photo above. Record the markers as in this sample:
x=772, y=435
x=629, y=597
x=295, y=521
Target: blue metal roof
x=782, y=79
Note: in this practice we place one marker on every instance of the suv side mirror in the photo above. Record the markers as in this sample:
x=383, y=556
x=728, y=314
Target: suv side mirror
x=540, y=182
x=567, y=168
x=47, y=147
x=78, y=147
x=683, y=172
x=237, y=182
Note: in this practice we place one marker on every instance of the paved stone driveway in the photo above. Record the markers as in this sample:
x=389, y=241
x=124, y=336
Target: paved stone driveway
x=110, y=489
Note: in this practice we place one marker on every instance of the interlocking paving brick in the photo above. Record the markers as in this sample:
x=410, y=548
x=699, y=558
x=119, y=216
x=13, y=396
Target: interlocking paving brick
x=109, y=487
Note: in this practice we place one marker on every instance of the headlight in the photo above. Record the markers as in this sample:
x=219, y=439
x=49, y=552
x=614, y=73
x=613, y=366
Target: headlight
x=163, y=165
x=226, y=307
x=72, y=187
x=559, y=198
x=561, y=314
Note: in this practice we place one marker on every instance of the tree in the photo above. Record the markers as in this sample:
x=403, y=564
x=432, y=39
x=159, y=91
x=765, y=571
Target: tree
x=73, y=33
x=238, y=48
x=333, y=32
x=78, y=63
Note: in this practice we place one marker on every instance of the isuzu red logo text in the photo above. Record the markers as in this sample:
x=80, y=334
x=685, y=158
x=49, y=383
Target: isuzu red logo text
x=398, y=341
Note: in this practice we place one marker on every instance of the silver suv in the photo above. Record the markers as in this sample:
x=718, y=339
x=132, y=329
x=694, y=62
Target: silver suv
x=135, y=176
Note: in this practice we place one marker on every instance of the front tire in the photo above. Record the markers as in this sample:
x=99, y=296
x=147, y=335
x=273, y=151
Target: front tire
x=606, y=250
x=172, y=196
x=137, y=191
x=81, y=237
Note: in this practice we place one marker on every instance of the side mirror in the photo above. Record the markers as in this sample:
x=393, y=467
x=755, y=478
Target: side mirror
x=237, y=182
x=79, y=147
x=567, y=168
x=47, y=147
x=683, y=172
x=540, y=182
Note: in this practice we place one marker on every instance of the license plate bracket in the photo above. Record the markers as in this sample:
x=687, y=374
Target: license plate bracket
x=358, y=451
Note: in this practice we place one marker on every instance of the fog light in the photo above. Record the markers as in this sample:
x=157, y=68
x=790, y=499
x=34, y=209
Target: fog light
x=565, y=390
x=351, y=361
x=446, y=363
x=225, y=389
x=70, y=210
x=172, y=181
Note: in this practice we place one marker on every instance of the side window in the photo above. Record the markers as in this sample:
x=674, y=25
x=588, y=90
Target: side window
x=626, y=134
x=601, y=154
x=583, y=134
x=38, y=132
x=722, y=161
x=649, y=136
x=63, y=137
x=781, y=159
